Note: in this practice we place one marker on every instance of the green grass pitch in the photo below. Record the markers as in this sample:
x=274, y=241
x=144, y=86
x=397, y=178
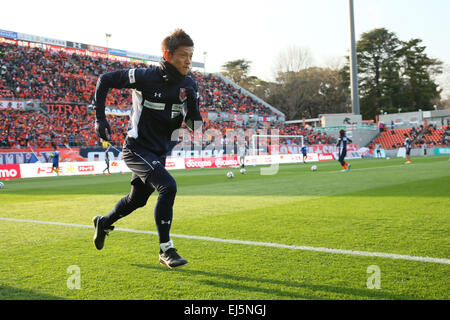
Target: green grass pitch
x=379, y=206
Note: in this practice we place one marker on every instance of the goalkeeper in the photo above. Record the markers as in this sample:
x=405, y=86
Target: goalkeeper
x=162, y=98
x=55, y=160
x=107, y=147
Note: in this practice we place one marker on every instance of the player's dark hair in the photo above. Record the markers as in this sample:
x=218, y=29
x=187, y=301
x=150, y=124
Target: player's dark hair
x=342, y=132
x=176, y=39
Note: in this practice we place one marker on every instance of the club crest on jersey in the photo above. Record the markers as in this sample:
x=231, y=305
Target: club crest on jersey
x=182, y=94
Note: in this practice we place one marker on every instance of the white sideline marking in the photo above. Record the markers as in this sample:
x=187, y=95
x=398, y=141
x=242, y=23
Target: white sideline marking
x=255, y=243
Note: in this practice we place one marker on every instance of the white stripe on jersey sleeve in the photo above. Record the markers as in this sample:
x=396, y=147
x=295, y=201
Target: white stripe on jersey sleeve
x=136, y=112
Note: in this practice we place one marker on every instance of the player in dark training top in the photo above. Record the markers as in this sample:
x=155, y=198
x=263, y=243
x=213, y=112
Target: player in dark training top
x=408, y=148
x=342, y=146
x=162, y=98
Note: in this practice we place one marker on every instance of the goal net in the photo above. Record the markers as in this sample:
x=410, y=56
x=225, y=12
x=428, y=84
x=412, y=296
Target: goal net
x=271, y=143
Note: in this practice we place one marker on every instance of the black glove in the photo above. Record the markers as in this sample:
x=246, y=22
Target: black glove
x=102, y=129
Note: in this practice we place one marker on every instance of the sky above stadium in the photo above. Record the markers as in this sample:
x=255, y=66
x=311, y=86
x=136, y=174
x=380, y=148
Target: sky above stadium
x=255, y=30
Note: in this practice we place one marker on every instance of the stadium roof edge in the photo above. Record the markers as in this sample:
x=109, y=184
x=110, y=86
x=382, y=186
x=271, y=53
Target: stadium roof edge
x=82, y=46
x=301, y=121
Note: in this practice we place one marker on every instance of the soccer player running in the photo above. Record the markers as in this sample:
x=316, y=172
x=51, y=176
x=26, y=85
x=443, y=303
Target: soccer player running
x=342, y=145
x=162, y=98
x=304, y=152
x=408, y=148
x=242, y=154
x=55, y=160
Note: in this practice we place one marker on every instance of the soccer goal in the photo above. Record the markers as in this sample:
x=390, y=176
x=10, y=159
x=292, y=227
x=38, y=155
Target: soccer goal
x=262, y=142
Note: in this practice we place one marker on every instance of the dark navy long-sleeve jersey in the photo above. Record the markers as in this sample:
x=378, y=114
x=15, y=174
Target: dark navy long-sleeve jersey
x=407, y=143
x=342, y=144
x=158, y=107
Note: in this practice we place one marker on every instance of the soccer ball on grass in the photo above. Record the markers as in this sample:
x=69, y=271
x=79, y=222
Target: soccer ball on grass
x=243, y=171
x=1, y=185
x=230, y=174
x=314, y=168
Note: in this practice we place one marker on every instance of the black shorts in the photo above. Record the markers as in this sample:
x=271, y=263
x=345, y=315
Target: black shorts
x=342, y=155
x=142, y=162
x=408, y=151
x=55, y=165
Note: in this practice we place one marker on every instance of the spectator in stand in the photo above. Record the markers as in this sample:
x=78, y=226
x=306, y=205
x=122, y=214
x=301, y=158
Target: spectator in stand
x=33, y=73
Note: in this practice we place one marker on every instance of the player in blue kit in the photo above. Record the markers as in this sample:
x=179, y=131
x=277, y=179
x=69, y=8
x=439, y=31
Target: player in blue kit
x=304, y=153
x=162, y=98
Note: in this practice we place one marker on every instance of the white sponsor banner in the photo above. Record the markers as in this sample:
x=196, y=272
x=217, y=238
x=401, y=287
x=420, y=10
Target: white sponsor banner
x=33, y=170
x=280, y=158
x=27, y=37
x=401, y=153
x=350, y=155
x=52, y=41
x=325, y=156
x=12, y=104
x=174, y=163
x=296, y=158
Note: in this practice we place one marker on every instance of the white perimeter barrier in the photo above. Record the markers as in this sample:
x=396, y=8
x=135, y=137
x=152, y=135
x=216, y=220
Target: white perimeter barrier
x=33, y=170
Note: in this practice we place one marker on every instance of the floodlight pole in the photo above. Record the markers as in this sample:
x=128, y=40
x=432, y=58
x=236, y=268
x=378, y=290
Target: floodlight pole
x=353, y=63
x=204, y=61
x=107, y=36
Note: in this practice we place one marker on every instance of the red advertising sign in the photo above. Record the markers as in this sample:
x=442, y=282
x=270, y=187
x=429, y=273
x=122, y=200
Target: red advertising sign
x=79, y=52
x=170, y=164
x=326, y=157
x=10, y=171
x=226, y=162
x=195, y=163
x=327, y=148
x=9, y=41
x=97, y=49
x=85, y=168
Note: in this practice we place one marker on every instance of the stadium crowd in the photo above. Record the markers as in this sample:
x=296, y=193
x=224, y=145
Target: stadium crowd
x=39, y=130
x=310, y=135
x=216, y=95
x=33, y=73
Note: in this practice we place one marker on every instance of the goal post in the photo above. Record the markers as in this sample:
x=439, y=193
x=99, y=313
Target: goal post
x=274, y=140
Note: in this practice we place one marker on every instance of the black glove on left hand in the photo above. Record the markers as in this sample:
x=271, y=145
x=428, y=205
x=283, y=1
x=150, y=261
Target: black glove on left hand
x=102, y=129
